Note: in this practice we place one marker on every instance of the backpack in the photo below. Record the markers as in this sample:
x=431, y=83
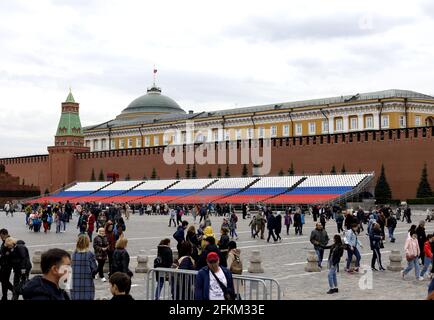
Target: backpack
x=237, y=265
x=158, y=262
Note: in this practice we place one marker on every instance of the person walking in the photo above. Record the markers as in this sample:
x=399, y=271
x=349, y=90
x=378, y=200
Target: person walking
x=234, y=262
x=391, y=223
x=297, y=223
x=233, y=226
x=412, y=254
x=421, y=239
x=84, y=269
x=179, y=234
x=193, y=239
x=336, y=253
x=353, y=245
x=5, y=266
x=172, y=215
x=110, y=235
x=252, y=225
x=428, y=256
x=121, y=258
x=278, y=226
x=288, y=221
x=339, y=218
x=260, y=224
x=19, y=260
x=100, y=247
x=319, y=238
x=375, y=240
x=271, y=224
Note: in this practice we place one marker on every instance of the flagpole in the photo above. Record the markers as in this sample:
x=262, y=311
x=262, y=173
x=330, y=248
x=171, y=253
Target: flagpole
x=154, y=74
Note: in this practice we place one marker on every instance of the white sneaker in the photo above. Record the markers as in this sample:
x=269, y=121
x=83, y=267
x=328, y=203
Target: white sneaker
x=402, y=274
x=420, y=279
x=96, y=277
x=103, y=279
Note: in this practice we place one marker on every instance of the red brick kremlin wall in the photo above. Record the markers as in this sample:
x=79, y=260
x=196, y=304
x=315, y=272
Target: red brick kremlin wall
x=402, y=151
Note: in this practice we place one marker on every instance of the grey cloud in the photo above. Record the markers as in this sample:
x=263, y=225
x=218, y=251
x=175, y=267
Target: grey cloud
x=285, y=28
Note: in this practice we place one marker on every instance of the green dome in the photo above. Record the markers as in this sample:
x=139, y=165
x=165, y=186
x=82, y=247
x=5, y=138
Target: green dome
x=153, y=102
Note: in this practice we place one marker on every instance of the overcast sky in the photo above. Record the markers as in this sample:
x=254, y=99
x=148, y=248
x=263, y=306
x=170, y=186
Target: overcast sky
x=209, y=55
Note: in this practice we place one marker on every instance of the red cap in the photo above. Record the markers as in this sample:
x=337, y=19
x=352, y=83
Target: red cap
x=212, y=257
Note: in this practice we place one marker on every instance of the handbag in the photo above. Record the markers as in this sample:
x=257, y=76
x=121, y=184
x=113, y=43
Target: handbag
x=410, y=257
x=381, y=244
x=228, y=294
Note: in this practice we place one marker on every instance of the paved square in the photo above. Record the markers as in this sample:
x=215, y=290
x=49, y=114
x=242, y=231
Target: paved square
x=283, y=261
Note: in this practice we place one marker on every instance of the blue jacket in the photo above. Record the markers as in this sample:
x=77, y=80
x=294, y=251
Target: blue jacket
x=201, y=288
x=179, y=234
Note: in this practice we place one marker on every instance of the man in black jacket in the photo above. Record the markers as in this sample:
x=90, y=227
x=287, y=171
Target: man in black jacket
x=55, y=266
x=19, y=262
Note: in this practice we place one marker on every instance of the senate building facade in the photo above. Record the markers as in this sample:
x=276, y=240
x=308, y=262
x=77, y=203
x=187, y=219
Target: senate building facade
x=154, y=119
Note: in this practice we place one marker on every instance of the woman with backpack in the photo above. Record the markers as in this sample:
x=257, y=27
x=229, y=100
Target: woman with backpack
x=336, y=252
x=234, y=263
x=164, y=259
x=84, y=268
x=223, y=245
x=194, y=240
x=184, y=289
x=412, y=253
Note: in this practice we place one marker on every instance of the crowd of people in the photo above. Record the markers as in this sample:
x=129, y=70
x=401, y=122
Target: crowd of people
x=215, y=257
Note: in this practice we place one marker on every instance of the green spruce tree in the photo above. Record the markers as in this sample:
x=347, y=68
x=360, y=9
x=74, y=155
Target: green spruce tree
x=333, y=170
x=209, y=174
x=177, y=174
x=187, y=172
x=127, y=178
x=194, y=172
x=280, y=173
x=101, y=176
x=382, y=188
x=343, y=170
x=245, y=171
x=291, y=171
x=227, y=173
x=219, y=172
x=424, y=188
x=92, y=176
x=154, y=174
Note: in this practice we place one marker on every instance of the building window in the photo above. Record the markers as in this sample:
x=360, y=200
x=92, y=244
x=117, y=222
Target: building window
x=216, y=135
x=402, y=121
x=88, y=143
x=354, y=123
x=166, y=139
x=339, y=124
x=95, y=145
x=369, y=122
x=121, y=143
x=298, y=129
x=156, y=140
x=273, y=131
x=312, y=128
x=147, y=141
x=417, y=121
x=238, y=132
x=138, y=142
x=261, y=132
x=130, y=143
x=112, y=144
x=103, y=144
x=183, y=136
x=227, y=134
x=385, y=121
x=325, y=126
x=250, y=133
x=286, y=130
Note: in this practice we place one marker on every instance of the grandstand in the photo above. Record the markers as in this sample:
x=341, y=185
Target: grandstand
x=306, y=189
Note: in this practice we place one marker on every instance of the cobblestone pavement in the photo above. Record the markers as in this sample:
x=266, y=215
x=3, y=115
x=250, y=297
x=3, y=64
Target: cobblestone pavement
x=283, y=261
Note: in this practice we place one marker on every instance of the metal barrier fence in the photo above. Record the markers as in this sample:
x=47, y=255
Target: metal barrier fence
x=178, y=284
